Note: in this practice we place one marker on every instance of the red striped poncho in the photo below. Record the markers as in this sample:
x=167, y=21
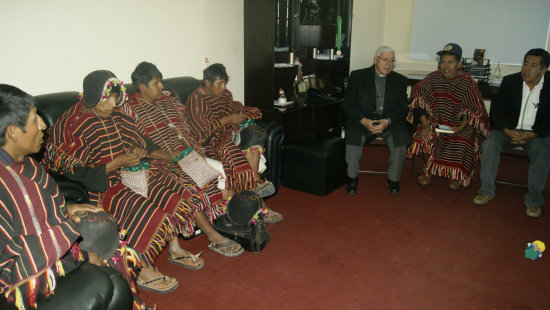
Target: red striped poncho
x=447, y=102
x=163, y=122
x=80, y=146
x=203, y=113
x=35, y=235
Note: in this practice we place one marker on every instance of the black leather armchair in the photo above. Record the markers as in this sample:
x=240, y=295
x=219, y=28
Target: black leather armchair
x=51, y=106
x=273, y=145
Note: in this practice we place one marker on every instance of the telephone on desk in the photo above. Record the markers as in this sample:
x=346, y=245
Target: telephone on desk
x=316, y=96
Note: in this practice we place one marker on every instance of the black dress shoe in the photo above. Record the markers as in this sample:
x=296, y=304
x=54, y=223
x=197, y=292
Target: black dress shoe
x=351, y=186
x=393, y=187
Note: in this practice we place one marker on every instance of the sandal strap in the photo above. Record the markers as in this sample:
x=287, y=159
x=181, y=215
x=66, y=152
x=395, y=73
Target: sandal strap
x=228, y=243
x=163, y=278
x=193, y=257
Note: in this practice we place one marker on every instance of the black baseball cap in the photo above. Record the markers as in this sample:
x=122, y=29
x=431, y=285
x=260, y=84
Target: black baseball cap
x=451, y=49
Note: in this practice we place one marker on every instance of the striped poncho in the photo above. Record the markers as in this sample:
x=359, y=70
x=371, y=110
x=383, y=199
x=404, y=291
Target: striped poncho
x=80, y=146
x=163, y=122
x=448, y=102
x=36, y=237
x=203, y=114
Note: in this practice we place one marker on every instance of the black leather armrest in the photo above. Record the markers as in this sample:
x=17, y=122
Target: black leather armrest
x=275, y=138
x=88, y=287
x=73, y=191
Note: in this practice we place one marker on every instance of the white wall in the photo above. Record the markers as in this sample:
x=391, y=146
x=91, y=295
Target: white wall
x=367, y=32
x=49, y=46
x=398, y=23
x=389, y=22
x=433, y=27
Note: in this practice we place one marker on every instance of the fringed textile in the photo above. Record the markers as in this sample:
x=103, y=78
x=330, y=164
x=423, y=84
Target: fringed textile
x=449, y=102
x=26, y=293
x=203, y=114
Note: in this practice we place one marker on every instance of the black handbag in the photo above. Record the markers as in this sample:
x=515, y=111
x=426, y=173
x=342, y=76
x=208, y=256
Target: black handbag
x=244, y=222
x=252, y=237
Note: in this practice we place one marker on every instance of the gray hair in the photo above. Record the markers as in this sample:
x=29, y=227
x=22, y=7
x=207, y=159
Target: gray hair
x=384, y=48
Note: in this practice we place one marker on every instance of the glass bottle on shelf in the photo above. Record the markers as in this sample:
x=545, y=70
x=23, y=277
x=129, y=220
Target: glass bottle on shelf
x=282, y=97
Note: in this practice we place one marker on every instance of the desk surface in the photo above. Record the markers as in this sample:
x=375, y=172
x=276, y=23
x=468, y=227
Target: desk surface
x=302, y=102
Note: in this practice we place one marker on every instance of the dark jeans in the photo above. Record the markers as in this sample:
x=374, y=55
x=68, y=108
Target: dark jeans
x=88, y=287
x=538, y=150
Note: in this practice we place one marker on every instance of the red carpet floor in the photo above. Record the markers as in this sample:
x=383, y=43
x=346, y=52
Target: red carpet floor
x=425, y=248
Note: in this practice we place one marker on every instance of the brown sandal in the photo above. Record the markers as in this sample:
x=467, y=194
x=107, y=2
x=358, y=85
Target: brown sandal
x=228, y=248
x=152, y=285
x=424, y=179
x=264, y=189
x=453, y=184
x=189, y=261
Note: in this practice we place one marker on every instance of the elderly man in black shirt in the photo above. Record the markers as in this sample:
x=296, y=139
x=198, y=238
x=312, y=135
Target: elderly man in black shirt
x=376, y=106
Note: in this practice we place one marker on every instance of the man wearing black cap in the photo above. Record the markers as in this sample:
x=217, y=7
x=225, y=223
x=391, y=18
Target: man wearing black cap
x=448, y=98
x=521, y=116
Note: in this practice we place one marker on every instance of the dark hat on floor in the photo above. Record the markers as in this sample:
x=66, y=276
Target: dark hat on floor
x=451, y=49
x=242, y=207
x=249, y=136
x=98, y=85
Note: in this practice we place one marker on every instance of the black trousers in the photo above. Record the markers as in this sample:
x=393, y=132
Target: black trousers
x=88, y=287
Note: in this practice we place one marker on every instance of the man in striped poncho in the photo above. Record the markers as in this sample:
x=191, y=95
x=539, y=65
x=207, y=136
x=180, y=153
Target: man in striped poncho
x=449, y=97
x=203, y=123
x=94, y=142
x=38, y=253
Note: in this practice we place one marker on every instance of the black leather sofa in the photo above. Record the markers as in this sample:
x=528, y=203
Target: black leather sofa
x=51, y=106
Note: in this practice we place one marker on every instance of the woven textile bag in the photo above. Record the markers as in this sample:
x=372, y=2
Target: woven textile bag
x=196, y=167
x=136, y=178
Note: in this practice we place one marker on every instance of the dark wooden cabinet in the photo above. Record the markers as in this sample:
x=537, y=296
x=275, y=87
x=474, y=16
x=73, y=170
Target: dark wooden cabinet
x=320, y=119
x=330, y=73
x=259, y=55
x=259, y=58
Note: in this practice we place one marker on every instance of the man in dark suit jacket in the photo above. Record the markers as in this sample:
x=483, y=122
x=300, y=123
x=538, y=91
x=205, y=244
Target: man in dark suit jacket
x=376, y=106
x=521, y=116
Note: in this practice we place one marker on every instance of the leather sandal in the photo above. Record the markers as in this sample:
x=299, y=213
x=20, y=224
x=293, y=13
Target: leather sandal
x=273, y=216
x=424, y=179
x=264, y=189
x=453, y=184
x=152, y=285
x=228, y=248
x=189, y=261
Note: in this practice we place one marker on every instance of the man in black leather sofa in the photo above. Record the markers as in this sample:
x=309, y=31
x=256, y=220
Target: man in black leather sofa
x=51, y=106
x=38, y=253
x=159, y=116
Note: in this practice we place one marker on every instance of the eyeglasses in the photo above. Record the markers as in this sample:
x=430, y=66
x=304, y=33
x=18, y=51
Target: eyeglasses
x=386, y=60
